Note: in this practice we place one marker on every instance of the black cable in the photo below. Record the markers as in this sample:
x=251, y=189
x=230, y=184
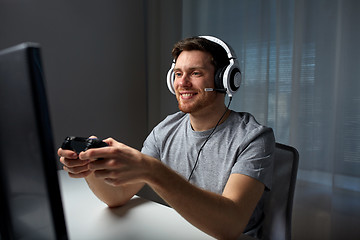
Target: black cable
x=207, y=139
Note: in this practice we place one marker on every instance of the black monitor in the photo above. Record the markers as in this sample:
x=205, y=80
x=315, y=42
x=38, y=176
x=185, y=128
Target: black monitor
x=30, y=199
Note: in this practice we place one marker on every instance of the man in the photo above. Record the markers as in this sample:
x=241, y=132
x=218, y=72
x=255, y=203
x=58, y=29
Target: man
x=209, y=163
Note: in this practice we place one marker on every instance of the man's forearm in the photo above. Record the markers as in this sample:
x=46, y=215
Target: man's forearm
x=113, y=196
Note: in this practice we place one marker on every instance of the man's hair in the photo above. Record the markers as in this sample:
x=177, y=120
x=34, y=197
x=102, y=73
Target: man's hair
x=218, y=53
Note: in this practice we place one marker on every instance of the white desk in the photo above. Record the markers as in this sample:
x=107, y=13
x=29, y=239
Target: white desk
x=89, y=218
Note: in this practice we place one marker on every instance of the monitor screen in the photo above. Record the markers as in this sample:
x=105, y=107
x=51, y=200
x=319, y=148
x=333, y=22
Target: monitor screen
x=30, y=200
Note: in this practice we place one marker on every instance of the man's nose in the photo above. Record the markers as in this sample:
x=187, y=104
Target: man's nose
x=184, y=81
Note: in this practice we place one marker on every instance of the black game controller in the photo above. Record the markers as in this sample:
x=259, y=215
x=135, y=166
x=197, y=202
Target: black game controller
x=79, y=144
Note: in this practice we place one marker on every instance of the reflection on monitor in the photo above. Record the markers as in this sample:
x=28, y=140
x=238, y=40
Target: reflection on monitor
x=30, y=200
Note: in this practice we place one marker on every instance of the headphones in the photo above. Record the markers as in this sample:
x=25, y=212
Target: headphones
x=227, y=79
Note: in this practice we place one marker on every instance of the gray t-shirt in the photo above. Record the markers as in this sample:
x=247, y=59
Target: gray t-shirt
x=238, y=145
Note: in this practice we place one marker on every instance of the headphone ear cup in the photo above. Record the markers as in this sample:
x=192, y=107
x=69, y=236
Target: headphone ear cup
x=219, y=78
x=234, y=79
x=170, y=78
x=231, y=78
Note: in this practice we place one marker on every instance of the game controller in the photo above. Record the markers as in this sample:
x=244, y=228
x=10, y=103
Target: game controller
x=79, y=144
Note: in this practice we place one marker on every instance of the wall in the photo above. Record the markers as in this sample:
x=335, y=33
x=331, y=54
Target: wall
x=94, y=59
x=164, y=28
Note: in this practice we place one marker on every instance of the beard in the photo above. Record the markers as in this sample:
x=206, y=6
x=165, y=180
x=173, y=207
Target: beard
x=200, y=102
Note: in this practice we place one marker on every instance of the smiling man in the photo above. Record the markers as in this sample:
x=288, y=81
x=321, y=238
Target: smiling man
x=211, y=164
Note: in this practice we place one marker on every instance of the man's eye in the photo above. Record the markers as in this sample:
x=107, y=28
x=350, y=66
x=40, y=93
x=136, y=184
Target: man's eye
x=177, y=74
x=196, y=73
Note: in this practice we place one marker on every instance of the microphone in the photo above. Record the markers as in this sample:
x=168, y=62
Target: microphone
x=223, y=90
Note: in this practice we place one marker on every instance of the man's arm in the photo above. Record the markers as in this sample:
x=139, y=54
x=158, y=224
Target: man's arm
x=113, y=196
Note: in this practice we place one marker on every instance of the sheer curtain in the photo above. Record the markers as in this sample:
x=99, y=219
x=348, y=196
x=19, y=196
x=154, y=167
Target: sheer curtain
x=301, y=76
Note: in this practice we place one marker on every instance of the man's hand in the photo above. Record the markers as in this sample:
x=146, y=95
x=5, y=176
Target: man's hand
x=73, y=165
x=117, y=164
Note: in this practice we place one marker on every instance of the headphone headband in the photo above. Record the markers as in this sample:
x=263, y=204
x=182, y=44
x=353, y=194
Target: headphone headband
x=230, y=53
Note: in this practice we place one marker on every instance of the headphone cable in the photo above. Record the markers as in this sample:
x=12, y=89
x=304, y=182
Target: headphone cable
x=207, y=139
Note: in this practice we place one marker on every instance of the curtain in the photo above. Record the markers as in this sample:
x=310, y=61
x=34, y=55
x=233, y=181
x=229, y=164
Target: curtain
x=300, y=63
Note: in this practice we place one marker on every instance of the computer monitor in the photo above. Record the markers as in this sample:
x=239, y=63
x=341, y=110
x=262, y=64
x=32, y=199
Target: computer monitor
x=30, y=199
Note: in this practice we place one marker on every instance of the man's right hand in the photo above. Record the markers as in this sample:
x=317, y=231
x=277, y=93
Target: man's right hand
x=75, y=167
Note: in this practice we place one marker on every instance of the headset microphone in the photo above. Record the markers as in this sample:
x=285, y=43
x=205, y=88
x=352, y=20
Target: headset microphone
x=223, y=90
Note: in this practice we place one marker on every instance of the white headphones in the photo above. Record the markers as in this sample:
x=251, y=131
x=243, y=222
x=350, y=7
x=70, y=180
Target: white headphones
x=227, y=79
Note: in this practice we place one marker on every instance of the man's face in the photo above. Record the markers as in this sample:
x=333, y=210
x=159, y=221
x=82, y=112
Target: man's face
x=193, y=73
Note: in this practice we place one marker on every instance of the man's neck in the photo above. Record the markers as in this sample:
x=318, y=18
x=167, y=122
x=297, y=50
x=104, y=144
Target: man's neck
x=202, y=121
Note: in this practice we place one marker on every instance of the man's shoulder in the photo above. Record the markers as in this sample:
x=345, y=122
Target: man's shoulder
x=247, y=124
x=176, y=116
x=162, y=131
x=172, y=120
x=244, y=120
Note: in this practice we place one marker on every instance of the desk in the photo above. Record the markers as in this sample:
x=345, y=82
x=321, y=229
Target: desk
x=89, y=218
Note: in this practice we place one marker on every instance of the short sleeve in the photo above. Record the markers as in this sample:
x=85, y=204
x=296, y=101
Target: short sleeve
x=256, y=158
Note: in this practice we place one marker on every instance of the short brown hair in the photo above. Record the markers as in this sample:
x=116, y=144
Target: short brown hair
x=218, y=53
